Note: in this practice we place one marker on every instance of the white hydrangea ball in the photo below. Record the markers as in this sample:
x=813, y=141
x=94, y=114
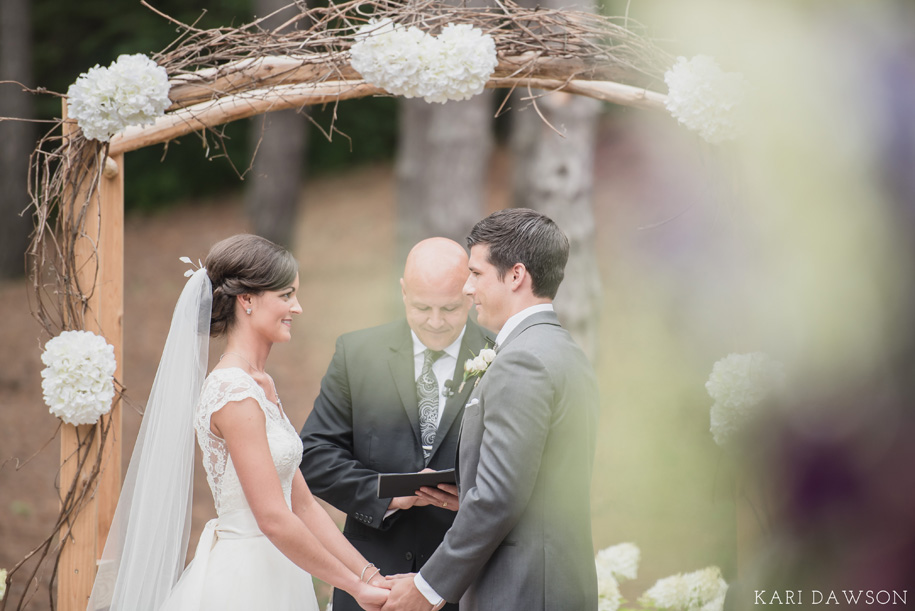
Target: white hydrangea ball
x=78, y=380
x=408, y=62
x=619, y=561
x=702, y=590
x=466, y=59
x=704, y=98
x=739, y=383
x=133, y=90
x=609, y=597
x=390, y=56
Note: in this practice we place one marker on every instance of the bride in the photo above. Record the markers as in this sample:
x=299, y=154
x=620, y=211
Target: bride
x=270, y=532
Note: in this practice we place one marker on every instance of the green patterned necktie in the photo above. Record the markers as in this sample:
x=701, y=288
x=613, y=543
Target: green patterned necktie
x=427, y=394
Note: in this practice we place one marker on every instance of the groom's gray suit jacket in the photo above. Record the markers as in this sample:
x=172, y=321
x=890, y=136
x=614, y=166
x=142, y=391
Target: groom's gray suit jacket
x=522, y=537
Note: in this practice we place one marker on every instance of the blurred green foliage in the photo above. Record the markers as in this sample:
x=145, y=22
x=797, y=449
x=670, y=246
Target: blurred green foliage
x=71, y=37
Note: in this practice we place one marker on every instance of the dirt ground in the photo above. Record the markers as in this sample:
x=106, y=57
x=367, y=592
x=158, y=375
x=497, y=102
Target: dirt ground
x=345, y=245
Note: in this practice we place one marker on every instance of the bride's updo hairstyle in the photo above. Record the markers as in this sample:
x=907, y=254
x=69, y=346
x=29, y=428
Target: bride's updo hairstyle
x=243, y=264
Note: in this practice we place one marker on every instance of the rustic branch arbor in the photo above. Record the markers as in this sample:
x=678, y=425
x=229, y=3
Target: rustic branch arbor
x=222, y=75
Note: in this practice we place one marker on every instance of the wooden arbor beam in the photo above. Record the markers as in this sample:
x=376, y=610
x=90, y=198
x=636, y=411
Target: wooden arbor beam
x=214, y=96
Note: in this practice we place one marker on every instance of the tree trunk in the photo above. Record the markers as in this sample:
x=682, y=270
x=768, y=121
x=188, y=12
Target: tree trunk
x=555, y=175
x=17, y=139
x=442, y=159
x=280, y=139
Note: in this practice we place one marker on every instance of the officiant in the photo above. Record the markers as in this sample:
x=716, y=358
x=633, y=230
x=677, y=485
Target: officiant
x=391, y=402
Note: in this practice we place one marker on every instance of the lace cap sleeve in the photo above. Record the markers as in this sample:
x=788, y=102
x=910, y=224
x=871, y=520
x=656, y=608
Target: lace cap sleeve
x=224, y=386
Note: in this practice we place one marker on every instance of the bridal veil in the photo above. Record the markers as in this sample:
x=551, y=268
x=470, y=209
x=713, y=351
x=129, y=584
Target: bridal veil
x=147, y=545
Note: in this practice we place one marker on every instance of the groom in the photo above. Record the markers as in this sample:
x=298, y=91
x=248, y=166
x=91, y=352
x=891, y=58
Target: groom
x=522, y=536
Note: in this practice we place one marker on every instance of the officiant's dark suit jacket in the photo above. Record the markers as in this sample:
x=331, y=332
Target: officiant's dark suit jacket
x=365, y=421
x=522, y=538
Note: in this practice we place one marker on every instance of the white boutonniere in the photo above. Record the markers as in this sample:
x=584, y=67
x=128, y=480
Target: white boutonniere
x=477, y=366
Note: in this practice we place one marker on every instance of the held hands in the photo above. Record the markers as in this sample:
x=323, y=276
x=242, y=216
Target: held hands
x=404, y=596
x=373, y=594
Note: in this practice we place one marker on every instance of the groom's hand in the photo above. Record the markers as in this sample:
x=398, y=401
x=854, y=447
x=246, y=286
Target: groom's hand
x=444, y=496
x=405, y=597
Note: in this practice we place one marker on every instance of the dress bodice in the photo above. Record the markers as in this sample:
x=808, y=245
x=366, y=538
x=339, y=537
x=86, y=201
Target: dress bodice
x=221, y=387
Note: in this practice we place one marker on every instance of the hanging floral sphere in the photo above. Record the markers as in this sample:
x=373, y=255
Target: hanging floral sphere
x=704, y=98
x=405, y=61
x=133, y=90
x=739, y=383
x=78, y=380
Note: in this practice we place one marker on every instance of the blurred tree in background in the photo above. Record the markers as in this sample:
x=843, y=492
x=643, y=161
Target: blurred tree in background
x=16, y=138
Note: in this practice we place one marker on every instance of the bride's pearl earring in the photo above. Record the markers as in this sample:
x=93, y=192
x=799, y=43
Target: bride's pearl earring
x=248, y=311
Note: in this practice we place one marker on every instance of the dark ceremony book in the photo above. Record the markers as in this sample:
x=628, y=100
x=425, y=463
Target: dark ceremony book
x=406, y=484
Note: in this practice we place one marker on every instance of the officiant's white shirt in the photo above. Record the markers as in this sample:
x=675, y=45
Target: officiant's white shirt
x=510, y=325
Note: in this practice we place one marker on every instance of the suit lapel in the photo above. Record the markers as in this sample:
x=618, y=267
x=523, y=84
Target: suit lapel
x=403, y=372
x=474, y=340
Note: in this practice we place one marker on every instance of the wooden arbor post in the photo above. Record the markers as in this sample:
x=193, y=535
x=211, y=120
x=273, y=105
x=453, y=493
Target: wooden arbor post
x=99, y=263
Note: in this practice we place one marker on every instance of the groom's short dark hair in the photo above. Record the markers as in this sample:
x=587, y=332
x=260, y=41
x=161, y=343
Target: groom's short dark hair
x=522, y=235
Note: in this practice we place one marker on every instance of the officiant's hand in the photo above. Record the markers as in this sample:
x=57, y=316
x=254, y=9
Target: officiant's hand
x=405, y=502
x=444, y=496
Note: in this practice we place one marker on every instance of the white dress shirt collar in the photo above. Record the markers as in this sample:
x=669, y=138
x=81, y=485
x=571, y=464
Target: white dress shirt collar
x=516, y=319
x=453, y=350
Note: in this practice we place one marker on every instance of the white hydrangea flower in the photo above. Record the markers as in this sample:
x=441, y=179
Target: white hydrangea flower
x=466, y=59
x=78, y=380
x=608, y=594
x=704, y=98
x=702, y=590
x=133, y=90
x=621, y=562
x=390, y=56
x=2, y=583
x=739, y=383
x=408, y=62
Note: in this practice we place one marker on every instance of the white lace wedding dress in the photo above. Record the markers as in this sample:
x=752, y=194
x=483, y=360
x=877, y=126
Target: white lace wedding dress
x=236, y=568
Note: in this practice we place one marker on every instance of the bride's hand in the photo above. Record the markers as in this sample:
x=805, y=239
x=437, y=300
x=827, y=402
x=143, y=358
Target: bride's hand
x=380, y=581
x=370, y=597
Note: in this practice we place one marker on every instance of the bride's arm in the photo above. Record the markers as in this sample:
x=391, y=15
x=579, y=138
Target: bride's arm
x=306, y=506
x=242, y=425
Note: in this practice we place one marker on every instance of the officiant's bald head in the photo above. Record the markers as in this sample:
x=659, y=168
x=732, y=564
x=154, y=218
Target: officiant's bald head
x=433, y=291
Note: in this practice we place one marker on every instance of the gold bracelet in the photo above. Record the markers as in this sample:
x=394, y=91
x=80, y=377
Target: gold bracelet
x=362, y=576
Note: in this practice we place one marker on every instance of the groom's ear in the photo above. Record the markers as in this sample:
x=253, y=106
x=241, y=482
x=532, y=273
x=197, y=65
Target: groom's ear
x=517, y=275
